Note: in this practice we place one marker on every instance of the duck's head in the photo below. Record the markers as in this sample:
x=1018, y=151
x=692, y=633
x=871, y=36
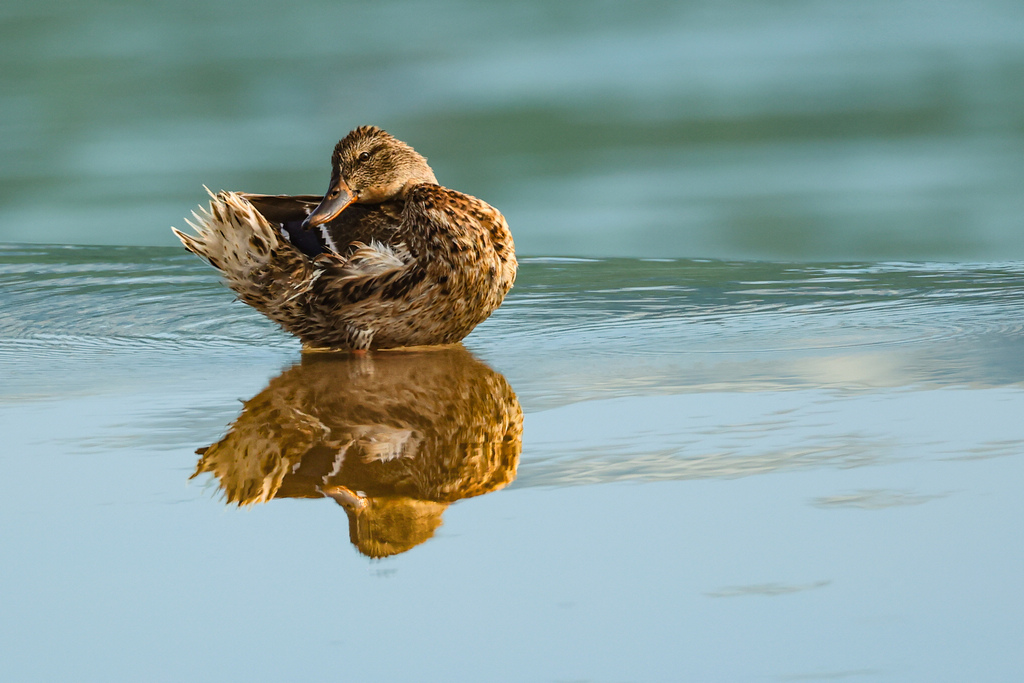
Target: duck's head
x=369, y=166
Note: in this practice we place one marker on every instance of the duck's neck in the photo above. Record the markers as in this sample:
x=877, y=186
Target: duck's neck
x=423, y=177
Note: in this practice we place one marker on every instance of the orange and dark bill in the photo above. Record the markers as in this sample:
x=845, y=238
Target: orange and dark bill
x=334, y=202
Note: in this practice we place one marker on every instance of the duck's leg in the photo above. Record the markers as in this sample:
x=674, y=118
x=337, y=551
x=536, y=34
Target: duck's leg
x=333, y=337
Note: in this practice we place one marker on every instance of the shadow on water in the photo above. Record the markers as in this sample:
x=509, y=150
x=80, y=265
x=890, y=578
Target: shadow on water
x=394, y=439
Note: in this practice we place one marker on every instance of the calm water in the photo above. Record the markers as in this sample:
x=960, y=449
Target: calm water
x=810, y=130
x=795, y=456
x=636, y=471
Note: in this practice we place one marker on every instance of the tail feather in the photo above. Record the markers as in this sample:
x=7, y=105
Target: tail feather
x=231, y=235
x=262, y=267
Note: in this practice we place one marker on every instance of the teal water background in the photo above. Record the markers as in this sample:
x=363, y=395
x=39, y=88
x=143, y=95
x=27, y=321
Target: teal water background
x=820, y=130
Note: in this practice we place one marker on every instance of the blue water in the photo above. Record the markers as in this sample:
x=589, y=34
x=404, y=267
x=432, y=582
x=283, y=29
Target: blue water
x=727, y=471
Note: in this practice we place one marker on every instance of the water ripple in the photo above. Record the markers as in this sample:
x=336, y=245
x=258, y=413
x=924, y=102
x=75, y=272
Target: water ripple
x=572, y=328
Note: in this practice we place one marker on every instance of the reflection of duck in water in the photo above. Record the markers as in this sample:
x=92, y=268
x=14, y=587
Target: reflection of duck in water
x=394, y=439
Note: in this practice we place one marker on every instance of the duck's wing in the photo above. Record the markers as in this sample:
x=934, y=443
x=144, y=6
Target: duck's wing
x=459, y=241
x=358, y=224
x=282, y=208
x=287, y=212
x=361, y=224
x=367, y=273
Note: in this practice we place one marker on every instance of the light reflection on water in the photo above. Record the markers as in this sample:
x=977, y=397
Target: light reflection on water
x=711, y=452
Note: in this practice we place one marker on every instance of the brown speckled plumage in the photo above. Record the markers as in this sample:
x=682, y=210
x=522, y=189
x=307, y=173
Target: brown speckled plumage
x=439, y=262
x=394, y=438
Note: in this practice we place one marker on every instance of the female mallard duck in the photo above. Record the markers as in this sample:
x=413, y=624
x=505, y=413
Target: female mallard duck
x=399, y=260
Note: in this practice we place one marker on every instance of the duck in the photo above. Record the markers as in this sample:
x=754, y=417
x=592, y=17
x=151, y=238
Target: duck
x=386, y=258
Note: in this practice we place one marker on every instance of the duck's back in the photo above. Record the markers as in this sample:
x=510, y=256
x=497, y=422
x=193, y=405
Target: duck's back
x=461, y=263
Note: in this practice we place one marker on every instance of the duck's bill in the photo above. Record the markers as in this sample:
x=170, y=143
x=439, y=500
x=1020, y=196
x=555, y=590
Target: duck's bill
x=336, y=200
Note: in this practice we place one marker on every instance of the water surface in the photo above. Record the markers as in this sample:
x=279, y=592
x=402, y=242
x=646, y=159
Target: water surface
x=721, y=470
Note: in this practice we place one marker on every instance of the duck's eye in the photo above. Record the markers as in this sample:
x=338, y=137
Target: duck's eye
x=363, y=156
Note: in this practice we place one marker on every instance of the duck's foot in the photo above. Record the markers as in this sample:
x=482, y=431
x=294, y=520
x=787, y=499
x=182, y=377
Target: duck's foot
x=309, y=348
